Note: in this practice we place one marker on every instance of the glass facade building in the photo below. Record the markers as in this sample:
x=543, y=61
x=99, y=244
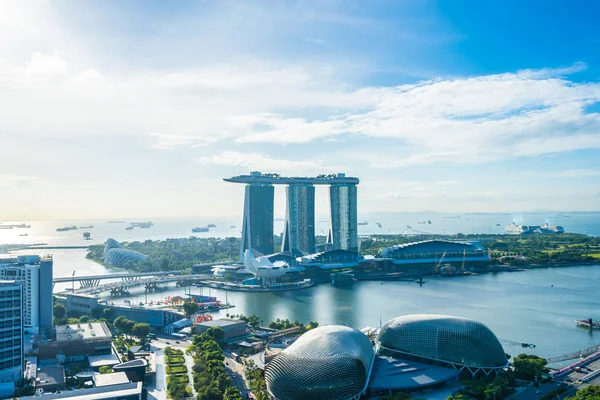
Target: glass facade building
x=257, y=229
x=343, y=228
x=35, y=273
x=457, y=342
x=299, y=229
x=326, y=363
x=115, y=254
x=11, y=335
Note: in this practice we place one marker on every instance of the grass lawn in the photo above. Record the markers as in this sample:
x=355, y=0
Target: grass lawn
x=174, y=360
x=176, y=369
x=178, y=378
x=595, y=255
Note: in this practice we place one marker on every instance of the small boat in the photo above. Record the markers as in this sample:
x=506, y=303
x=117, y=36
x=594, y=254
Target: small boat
x=497, y=224
x=528, y=345
x=200, y=229
x=363, y=223
x=211, y=226
x=429, y=222
x=129, y=228
x=23, y=234
x=87, y=227
x=232, y=227
x=66, y=228
x=378, y=225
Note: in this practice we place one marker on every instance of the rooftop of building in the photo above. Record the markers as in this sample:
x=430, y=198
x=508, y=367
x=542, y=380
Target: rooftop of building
x=50, y=376
x=435, y=246
x=397, y=374
x=23, y=259
x=182, y=323
x=82, y=331
x=99, y=393
x=138, y=362
x=276, y=179
x=221, y=322
x=116, y=378
x=104, y=359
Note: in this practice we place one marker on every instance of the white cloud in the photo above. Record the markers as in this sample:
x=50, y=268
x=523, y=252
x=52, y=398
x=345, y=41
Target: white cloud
x=262, y=162
x=11, y=180
x=463, y=120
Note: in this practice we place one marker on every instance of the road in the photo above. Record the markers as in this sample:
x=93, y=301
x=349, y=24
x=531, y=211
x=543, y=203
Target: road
x=236, y=371
x=573, y=380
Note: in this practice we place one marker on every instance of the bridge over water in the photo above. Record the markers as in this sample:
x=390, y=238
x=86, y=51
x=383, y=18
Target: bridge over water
x=577, y=354
x=151, y=283
x=94, y=280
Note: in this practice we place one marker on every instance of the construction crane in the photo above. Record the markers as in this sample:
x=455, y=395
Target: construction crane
x=437, y=267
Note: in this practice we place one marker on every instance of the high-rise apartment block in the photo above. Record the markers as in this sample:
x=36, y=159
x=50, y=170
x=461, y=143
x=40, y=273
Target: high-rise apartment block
x=299, y=229
x=35, y=273
x=11, y=335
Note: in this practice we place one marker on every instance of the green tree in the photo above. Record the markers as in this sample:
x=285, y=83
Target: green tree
x=216, y=333
x=59, y=311
x=105, y=369
x=128, y=327
x=119, y=323
x=232, y=394
x=83, y=319
x=189, y=308
x=210, y=393
x=528, y=367
x=140, y=331
x=591, y=392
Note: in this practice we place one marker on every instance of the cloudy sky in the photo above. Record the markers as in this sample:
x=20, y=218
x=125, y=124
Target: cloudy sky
x=140, y=108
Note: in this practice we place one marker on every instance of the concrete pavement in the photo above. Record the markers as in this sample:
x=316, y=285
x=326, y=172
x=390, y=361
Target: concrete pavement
x=189, y=363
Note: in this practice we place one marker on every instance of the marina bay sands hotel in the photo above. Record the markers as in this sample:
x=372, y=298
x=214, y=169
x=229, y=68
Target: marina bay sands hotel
x=299, y=229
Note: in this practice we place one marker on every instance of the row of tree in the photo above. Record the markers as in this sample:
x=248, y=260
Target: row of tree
x=210, y=380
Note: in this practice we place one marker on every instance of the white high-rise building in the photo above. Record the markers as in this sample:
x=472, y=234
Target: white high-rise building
x=35, y=273
x=11, y=336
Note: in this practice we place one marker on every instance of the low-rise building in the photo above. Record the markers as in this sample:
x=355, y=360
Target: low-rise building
x=123, y=391
x=78, y=305
x=233, y=328
x=76, y=341
x=177, y=326
x=50, y=378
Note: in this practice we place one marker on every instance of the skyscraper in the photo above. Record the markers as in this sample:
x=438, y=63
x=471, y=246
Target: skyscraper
x=299, y=229
x=343, y=228
x=257, y=229
x=35, y=273
x=12, y=342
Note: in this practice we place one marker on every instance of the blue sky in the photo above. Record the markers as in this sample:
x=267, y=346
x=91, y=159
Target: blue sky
x=139, y=108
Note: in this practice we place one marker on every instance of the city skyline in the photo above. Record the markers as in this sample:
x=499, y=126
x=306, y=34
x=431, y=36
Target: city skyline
x=139, y=109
